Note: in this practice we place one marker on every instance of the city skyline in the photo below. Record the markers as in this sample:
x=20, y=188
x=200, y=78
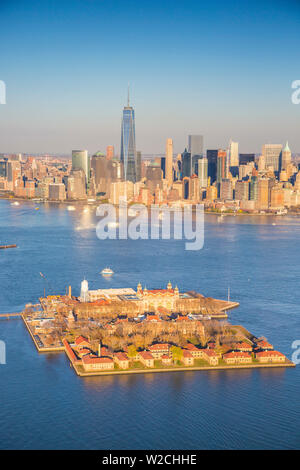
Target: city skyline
x=65, y=90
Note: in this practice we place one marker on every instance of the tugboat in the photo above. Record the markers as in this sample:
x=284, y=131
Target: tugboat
x=107, y=272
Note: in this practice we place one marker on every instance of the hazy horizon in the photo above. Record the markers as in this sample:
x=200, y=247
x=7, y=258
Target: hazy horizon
x=220, y=70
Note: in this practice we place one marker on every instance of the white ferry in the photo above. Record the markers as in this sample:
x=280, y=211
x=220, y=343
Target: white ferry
x=107, y=272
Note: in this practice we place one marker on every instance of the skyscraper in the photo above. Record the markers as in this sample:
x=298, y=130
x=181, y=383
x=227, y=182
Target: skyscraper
x=234, y=153
x=222, y=165
x=195, y=148
x=80, y=161
x=128, y=149
x=169, y=161
x=272, y=154
x=212, y=158
x=110, y=152
x=286, y=157
x=202, y=172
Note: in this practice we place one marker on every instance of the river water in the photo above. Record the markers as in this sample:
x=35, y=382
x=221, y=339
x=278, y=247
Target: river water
x=44, y=405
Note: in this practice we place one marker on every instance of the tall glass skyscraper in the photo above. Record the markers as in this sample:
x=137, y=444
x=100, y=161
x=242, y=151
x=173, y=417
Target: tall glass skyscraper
x=128, y=149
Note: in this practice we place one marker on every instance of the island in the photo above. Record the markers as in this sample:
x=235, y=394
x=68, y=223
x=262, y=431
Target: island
x=125, y=331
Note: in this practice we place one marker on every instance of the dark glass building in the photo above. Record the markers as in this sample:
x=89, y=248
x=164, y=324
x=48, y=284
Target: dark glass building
x=128, y=149
x=212, y=159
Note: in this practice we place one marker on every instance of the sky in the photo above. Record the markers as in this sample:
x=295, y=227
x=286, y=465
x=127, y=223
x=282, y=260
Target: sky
x=220, y=69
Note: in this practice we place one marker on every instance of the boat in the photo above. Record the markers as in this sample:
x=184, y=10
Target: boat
x=107, y=272
x=3, y=247
x=16, y=203
x=71, y=208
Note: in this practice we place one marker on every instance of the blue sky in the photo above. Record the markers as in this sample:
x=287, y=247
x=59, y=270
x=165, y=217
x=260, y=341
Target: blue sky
x=221, y=69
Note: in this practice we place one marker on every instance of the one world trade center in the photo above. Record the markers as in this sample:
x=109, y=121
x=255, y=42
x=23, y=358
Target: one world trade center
x=128, y=149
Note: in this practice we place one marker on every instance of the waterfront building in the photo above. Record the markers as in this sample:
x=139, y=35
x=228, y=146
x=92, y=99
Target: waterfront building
x=211, y=193
x=277, y=197
x=237, y=357
x=146, y=358
x=76, y=185
x=169, y=162
x=241, y=191
x=187, y=358
x=80, y=161
x=128, y=146
x=203, y=172
x=121, y=359
x=226, y=189
x=91, y=363
x=263, y=193
x=269, y=357
x=57, y=192
x=210, y=356
x=272, y=155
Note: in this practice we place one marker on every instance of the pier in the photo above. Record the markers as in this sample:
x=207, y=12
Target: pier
x=10, y=315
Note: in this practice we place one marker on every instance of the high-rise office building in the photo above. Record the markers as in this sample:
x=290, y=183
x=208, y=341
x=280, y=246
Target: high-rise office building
x=110, y=152
x=233, y=153
x=128, y=149
x=169, y=161
x=222, y=165
x=80, y=161
x=226, y=189
x=272, y=154
x=286, y=157
x=242, y=191
x=195, y=148
x=245, y=158
x=202, y=172
x=138, y=165
x=212, y=159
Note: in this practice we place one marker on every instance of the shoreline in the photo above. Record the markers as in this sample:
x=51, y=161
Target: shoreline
x=152, y=370
x=85, y=202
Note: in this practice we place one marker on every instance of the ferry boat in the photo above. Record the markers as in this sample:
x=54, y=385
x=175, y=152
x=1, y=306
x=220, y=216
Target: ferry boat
x=107, y=272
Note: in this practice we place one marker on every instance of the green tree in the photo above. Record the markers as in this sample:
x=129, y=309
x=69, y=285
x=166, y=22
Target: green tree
x=132, y=352
x=176, y=353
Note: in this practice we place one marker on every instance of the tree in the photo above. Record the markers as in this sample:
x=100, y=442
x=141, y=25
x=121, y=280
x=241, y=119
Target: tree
x=176, y=353
x=132, y=352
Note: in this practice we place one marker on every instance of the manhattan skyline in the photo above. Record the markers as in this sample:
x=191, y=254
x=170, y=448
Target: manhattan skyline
x=222, y=71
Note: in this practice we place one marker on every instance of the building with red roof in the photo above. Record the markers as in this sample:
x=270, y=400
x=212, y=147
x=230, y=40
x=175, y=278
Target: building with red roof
x=159, y=349
x=91, y=362
x=270, y=356
x=237, y=357
x=146, y=358
x=210, y=356
x=187, y=358
x=195, y=352
x=121, y=359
